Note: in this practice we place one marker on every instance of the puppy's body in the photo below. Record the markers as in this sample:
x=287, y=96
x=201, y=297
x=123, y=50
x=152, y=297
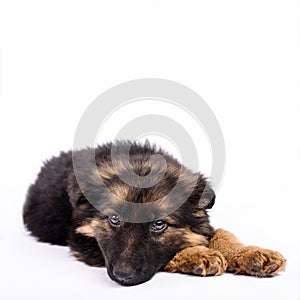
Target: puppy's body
x=57, y=211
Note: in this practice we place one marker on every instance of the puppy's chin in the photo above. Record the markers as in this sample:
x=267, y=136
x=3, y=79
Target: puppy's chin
x=131, y=282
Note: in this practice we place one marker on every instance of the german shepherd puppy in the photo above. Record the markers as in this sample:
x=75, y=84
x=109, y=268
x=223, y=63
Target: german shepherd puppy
x=59, y=212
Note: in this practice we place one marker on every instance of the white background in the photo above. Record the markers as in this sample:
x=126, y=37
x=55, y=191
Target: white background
x=242, y=57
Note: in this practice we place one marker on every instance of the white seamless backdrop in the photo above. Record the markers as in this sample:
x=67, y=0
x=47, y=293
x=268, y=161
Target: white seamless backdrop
x=241, y=57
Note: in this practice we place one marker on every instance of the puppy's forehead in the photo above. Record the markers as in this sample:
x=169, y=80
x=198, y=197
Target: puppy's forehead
x=104, y=183
x=139, y=165
x=112, y=178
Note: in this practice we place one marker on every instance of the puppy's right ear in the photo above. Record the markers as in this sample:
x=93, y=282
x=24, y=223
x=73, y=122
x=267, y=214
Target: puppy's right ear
x=203, y=195
x=75, y=195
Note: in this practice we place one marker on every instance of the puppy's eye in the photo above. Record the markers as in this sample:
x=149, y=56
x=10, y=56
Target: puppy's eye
x=159, y=226
x=114, y=220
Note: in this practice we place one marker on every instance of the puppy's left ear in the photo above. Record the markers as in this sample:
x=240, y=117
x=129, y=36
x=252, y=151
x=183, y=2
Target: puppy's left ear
x=207, y=198
x=203, y=195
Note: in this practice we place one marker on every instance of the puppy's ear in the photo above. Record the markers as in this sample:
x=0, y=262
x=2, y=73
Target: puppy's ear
x=207, y=199
x=75, y=195
x=203, y=195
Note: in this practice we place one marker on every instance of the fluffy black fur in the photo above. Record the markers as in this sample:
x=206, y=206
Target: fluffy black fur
x=56, y=211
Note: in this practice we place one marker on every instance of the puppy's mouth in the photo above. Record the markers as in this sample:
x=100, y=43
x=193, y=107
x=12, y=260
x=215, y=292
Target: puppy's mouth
x=128, y=276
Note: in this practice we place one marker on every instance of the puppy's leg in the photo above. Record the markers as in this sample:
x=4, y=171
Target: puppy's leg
x=197, y=260
x=243, y=259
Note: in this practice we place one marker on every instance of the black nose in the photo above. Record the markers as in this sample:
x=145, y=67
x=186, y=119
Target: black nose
x=123, y=275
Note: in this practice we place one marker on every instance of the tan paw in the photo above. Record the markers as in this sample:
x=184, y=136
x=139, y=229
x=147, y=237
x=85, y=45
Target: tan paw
x=198, y=261
x=257, y=261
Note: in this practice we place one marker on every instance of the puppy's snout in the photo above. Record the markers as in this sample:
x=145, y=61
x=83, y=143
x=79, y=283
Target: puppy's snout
x=123, y=275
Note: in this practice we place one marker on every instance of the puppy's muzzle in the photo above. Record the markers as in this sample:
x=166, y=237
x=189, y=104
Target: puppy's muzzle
x=124, y=275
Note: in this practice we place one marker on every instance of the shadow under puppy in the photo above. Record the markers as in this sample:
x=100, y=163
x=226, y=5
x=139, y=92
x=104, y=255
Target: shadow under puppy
x=57, y=211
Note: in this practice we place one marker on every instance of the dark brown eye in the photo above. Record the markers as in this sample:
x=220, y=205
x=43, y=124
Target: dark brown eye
x=159, y=226
x=114, y=220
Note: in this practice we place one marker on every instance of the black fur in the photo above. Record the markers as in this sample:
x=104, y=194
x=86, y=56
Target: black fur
x=55, y=208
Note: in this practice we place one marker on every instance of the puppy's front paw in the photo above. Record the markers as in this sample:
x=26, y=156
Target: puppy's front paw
x=198, y=261
x=257, y=261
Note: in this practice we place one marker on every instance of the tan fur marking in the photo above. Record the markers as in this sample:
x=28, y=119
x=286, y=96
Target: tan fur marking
x=170, y=220
x=199, y=214
x=88, y=229
x=120, y=190
x=106, y=172
x=243, y=259
x=189, y=238
x=194, y=239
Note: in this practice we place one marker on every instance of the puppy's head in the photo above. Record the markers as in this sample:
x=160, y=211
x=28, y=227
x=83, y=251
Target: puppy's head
x=134, y=252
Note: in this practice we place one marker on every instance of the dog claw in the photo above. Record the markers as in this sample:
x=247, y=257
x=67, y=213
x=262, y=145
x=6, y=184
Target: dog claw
x=256, y=268
x=213, y=271
x=272, y=268
x=198, y=271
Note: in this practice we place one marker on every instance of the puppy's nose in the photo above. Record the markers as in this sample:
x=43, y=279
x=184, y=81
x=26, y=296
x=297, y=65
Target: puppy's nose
x=123, y=275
